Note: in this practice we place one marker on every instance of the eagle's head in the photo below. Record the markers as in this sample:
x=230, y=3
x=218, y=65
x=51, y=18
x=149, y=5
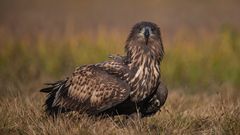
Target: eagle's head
x=144, y=53
x=145, y=39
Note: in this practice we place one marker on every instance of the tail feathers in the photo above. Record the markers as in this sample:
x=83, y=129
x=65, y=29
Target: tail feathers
x=52, y=90
x=46, y=90
x=52, y=86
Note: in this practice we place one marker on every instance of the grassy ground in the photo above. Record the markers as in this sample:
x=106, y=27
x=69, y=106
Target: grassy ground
x=202, y=73
x=183, y=114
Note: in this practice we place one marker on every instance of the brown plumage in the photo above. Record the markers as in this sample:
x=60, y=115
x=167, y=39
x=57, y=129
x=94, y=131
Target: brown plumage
x=122, y=85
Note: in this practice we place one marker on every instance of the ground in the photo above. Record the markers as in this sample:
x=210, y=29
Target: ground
x=216, y=113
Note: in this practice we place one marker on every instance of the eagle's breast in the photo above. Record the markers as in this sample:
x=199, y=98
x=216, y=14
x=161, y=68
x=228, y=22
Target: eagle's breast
x=145, y=78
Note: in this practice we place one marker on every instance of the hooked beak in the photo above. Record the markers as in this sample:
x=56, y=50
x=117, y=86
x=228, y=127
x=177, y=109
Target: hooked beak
x=146, y=35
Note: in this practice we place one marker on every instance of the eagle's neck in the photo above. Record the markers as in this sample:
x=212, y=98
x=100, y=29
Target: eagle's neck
x=145, y=73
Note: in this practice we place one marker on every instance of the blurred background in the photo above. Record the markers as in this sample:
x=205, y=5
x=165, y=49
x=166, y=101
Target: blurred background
x=44, y=40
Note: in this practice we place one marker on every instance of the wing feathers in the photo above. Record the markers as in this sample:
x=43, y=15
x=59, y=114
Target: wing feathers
x=90, y=89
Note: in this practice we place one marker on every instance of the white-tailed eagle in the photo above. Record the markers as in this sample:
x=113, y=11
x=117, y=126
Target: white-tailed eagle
x=122, y=85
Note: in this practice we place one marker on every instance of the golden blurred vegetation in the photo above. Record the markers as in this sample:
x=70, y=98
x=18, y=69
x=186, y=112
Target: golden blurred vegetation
x=44, y=41
x=193, y=63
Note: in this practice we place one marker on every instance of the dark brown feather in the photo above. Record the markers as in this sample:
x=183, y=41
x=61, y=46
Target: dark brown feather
x=90, y=89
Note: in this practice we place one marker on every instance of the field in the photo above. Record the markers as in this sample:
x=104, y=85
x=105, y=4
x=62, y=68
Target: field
x=201, y=68
x=202, y=76
x=183, y=114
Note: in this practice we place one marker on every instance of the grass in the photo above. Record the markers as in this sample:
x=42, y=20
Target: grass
x=202, y=73
x=183, y=114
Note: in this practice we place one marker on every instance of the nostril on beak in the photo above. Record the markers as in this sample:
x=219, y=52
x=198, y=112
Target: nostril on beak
x=146, y=33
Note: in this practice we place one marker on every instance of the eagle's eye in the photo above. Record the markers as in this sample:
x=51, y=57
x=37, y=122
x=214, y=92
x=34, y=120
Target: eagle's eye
x=152, y=29
x=140, y=30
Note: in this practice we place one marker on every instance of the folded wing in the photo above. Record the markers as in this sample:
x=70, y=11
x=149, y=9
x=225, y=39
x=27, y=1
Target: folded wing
x=90, y=89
